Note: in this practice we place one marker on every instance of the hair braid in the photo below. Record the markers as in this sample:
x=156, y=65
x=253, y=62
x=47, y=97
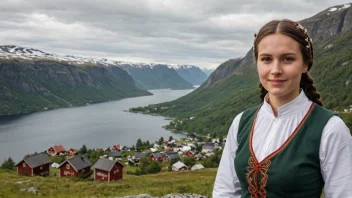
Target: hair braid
x=263, y=92
x=309, y=89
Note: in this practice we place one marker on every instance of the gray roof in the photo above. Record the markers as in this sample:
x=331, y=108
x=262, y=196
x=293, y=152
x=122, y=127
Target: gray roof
x=36, y=160
x=78, y=162
x=105, y=164
x=115, y=154
x=140, y=155
x=169, y=152
x=157, y=154
x=208, y=146
x=172, y=156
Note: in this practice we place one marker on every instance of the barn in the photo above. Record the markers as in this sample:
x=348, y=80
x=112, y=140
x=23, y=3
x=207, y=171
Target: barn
x=37, y=164
x=56, y=150
x=75, y=167
x=108, y=170
x=156, y=157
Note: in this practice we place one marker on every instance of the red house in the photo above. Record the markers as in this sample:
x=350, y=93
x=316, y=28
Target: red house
x=116, y=147
x=71, y=152
x=73, y=167
x=108, y=170
x=56, y=150
x=156, y=157
x=38, y=164
x=189, y=154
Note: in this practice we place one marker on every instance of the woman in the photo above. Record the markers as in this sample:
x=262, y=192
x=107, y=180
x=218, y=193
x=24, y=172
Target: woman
x=289, y=146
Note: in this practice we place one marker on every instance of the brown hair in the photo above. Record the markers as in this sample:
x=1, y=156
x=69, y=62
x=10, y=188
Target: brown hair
x=299, y=34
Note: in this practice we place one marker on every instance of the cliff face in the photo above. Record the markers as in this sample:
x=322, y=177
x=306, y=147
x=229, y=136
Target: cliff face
x=31, y=85
x=323, y=26
x=191, y=74
x=156, y=76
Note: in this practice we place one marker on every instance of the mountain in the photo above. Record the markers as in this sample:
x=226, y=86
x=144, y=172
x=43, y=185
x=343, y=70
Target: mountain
x=208, y=71
x=233, y=86
x=32, y=80
x=154, y=76
x=192, y=74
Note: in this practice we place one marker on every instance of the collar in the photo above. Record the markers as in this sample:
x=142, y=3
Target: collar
x=299, y=104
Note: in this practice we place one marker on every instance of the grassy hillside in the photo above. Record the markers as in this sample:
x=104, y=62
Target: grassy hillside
x=199, y=182
x=215, y=107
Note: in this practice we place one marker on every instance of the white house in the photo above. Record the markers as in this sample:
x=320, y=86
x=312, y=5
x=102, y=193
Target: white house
x=178, y=166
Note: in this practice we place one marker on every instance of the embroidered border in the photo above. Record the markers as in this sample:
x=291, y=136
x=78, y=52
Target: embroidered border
x=256, y=175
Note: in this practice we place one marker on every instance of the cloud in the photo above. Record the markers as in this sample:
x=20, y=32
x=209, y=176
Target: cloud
x=200, y=32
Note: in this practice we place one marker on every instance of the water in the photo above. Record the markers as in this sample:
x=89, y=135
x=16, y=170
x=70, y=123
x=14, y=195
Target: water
x=97, y=126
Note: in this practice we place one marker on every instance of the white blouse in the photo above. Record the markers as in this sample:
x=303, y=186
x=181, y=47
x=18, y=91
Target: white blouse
x=271, y=132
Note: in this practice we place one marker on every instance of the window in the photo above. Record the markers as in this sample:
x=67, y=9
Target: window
x=67, y=166
x=24, y=165
x=41, y=168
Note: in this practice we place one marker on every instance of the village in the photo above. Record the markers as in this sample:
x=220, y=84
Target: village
x=108, y=164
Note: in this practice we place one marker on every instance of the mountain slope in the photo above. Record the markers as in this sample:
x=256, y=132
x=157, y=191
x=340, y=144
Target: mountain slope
x=192, y=74
x=155, y=76
x=28, y=85
x=233, y=86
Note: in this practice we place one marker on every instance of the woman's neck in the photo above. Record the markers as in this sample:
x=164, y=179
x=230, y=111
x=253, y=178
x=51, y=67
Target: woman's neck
x=277, y=101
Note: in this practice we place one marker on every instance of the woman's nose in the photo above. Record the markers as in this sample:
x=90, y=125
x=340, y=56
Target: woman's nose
x=276, y=67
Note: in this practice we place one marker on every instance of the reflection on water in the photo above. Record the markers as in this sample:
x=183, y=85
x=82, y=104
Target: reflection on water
x=98, y=125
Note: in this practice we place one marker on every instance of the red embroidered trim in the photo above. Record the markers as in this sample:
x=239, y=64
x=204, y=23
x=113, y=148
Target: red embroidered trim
x=256, y=175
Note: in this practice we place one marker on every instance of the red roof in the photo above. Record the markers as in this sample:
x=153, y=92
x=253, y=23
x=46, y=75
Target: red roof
x=117, y=146
x=59, y=148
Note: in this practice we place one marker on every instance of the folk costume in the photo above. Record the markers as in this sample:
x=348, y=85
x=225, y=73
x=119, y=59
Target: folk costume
x=298, y=153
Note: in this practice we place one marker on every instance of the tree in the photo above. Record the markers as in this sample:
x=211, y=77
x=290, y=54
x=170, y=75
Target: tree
x=8, y=164
x=161, y=141
x=83, y=150
x=189, y=161
x=139, y=145
x=170, y=138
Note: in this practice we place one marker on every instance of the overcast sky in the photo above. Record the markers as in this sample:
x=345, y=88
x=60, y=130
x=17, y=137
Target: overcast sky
x=204, y=33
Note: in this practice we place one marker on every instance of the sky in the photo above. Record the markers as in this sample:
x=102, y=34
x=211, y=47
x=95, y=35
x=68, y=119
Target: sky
x=204, y=33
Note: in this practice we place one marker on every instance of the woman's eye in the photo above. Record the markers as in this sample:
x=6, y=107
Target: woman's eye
x=266, y=59
x=288, y=59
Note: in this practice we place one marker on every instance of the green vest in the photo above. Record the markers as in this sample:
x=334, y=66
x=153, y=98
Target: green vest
x=291, y=171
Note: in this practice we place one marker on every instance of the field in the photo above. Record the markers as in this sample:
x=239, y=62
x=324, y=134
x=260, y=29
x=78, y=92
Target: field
x=199, y=182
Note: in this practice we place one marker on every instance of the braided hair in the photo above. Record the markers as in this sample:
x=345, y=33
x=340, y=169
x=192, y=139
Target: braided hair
x=297, y=32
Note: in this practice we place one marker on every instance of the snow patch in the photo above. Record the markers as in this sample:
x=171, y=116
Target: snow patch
x=332, y=9
x=346, y=6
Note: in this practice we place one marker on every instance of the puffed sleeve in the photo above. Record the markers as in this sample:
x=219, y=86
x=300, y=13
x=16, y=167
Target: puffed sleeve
x=226, y=183
x=336, y=159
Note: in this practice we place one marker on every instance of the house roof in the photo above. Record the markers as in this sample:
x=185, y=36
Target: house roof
x=117, y=146
x=78, y=162
x=106, y=164
x=157, y=154
x=140, y=154
x=59, y=148
x=197, y=167
x=179, y=165
x=172, y=156
x=36, y=160
x=115, y=154
x=208, y=146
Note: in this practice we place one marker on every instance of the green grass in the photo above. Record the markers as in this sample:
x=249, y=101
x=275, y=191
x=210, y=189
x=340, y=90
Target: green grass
x=199, y=182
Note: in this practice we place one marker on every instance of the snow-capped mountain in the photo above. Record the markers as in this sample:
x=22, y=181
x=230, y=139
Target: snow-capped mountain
x=13, y=51
x=145, y=75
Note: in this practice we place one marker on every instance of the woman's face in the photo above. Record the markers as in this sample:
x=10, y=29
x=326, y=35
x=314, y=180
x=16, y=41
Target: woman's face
x=280, y=66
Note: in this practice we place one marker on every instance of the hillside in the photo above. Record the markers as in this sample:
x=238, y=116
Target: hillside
x=155, y=76
x=28, y=85
x=192, y=74
x=233, y=86
x=199, y=182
